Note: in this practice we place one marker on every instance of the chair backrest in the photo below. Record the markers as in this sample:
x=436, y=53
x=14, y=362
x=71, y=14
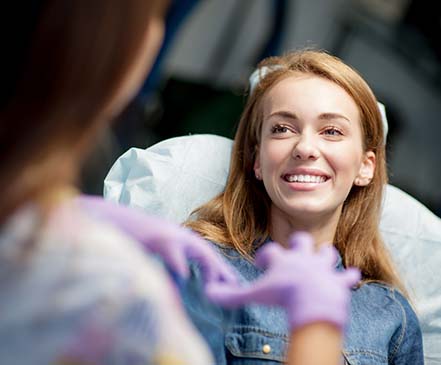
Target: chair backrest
x=175, y=176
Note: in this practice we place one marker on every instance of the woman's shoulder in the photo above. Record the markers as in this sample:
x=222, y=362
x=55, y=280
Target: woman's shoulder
x=387, y=297
x=383, y=292
x=383, y=324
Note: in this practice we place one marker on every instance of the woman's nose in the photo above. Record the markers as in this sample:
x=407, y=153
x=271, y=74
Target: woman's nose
x=306, y=147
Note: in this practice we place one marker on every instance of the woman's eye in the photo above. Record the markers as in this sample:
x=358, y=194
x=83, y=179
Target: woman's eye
x=279, y=129
x=331, y=131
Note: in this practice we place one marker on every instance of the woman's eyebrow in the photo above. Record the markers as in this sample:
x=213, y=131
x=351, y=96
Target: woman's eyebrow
x=283, y=114
x=329, y=116
x=291, y=115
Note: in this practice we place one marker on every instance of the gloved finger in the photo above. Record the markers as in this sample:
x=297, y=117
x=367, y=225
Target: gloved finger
x=188, y=235
x=175, y=259
x=229, y=296
x=302, y=242
x=213, y=266
x=260, y=292
x=226, y=274
x=268, y=254
x=328, y=254
x=350, y=277
x=197, y=249
x=218, y=271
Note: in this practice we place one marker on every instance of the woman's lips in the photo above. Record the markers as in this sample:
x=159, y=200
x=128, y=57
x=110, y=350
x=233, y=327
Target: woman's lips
x=304, y=181
x=305, y=178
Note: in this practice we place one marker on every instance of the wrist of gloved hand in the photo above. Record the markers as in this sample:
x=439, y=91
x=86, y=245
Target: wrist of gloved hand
x=331, y=307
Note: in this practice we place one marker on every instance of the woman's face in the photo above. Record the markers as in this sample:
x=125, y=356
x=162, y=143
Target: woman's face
x=311, y=151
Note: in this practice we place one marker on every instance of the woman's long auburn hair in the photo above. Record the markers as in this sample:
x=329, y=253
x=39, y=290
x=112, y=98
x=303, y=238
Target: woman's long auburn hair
x=239, y=217
x=66, y=60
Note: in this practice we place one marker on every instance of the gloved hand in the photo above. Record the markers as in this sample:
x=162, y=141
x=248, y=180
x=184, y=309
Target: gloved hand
x=175, y=244
x=302, y=281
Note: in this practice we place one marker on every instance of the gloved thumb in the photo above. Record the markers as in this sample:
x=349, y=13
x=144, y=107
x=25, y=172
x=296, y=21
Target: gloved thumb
x=350, y=277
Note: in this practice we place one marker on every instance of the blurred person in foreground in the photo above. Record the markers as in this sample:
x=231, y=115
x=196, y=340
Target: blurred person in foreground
x=75, y=289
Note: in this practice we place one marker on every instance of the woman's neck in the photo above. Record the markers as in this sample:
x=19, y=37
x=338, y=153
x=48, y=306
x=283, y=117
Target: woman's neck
x=322, y=227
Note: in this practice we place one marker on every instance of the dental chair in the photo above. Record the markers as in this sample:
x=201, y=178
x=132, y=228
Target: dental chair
x=175, y=176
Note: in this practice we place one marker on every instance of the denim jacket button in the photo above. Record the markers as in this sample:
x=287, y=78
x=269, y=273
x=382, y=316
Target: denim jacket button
x=266, y=349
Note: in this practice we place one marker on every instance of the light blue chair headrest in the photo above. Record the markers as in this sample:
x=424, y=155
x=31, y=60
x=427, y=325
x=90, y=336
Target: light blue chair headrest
x=173, y=177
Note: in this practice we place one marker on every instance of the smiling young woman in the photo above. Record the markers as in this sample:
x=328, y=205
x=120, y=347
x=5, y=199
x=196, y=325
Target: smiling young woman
x=309, y=155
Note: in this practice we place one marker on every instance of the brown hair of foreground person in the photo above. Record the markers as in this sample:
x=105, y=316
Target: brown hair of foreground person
x=65, y=68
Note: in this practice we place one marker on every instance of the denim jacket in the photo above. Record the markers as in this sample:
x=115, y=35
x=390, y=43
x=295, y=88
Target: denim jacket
x=383, y=328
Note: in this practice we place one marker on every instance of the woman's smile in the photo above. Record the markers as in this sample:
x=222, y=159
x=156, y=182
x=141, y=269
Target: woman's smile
x=305, y=179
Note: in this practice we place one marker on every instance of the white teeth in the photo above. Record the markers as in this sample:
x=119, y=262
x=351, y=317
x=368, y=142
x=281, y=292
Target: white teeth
x=306, y=178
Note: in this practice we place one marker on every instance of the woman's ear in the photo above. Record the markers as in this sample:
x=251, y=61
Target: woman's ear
x=257, y=168
x=367, y=169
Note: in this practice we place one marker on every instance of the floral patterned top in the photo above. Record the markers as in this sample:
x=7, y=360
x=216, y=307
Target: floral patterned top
x=78, y=291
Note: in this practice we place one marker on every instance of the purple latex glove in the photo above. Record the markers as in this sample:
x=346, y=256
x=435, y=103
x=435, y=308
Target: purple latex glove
x=302, y=281
x=175, y=244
